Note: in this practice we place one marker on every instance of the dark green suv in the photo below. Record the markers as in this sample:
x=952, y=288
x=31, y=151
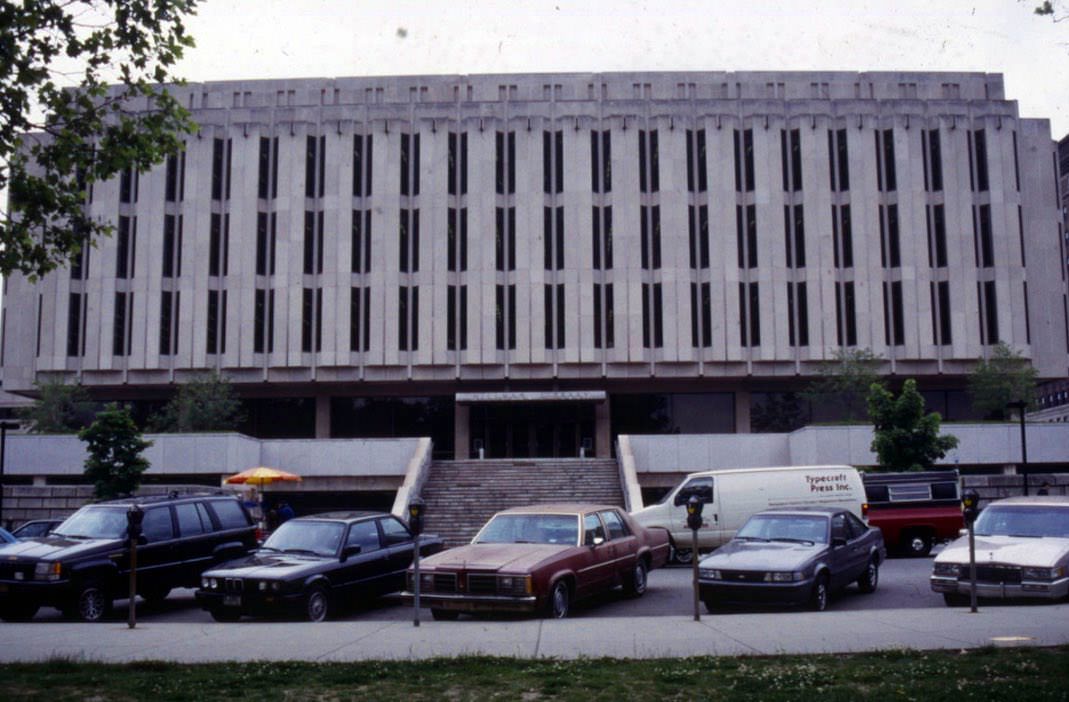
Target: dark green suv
x=83, y=564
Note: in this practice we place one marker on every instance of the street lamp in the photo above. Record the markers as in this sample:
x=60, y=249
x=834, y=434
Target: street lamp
x=4, y=426
x=1020, y=406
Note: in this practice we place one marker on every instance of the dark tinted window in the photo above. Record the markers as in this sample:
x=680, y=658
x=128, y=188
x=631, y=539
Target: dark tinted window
x=877, y=493
x=157, y=525
x=856, y=526
x=393, y=531
x=229, y=514
x=944, y=491
x=616, y=526
x=189, y=520
x=838, y=527
x=365, y=535
x=205, y=518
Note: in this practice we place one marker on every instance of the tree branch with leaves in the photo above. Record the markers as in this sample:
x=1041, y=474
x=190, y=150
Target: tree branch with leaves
x=905, y=437
x=60, y=132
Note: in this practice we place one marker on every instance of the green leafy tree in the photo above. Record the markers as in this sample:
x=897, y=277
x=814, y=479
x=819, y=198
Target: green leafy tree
x=844, y=382
x=115, y=463
x=906, y=438
x=60, y=408
x=1004, y=377
x=779, y=412
x=63, y=127
x=205, y=403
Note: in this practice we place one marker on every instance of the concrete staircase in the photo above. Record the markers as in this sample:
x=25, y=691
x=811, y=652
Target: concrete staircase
x=462, y=495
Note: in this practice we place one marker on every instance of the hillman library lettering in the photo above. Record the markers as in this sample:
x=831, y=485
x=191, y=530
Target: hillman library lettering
x=529, y=265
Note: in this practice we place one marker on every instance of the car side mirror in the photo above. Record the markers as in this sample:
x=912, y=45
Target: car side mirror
x=838, y=542
x=351, y=550
x=598, y=541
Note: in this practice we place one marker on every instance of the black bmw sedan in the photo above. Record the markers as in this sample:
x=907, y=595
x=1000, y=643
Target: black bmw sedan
x=313, y=566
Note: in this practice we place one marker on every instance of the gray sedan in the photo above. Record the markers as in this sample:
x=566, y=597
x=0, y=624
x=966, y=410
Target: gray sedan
x=793, y=555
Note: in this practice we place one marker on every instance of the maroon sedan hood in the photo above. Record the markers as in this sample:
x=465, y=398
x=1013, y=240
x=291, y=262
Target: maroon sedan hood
x=517, y=558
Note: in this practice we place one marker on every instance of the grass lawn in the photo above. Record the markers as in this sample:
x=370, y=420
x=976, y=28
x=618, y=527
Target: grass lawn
x=986, y=674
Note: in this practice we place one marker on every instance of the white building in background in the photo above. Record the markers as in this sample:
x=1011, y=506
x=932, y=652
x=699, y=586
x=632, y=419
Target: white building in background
x=531, y=264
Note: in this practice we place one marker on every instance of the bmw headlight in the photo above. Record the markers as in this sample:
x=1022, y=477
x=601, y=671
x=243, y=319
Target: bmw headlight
x=47, y=570
x=950, y=570
x=1041, y=573
x=782, y=576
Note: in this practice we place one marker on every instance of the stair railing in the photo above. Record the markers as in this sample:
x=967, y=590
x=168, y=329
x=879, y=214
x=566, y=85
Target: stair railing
x=625, y=459
x=415, y=477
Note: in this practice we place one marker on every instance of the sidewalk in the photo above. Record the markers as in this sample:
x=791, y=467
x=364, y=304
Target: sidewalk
x=588, y=637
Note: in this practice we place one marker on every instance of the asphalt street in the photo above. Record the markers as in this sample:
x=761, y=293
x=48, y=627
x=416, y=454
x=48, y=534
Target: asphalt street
x=902, y=614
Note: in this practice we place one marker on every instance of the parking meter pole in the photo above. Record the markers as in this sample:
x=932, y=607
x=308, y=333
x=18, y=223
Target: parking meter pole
x=131, y=618
x=972, y=569
x=415, y=581
x=694, y=561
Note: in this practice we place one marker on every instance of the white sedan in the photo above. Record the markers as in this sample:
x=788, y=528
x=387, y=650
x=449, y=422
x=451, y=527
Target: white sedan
x=1022, y=551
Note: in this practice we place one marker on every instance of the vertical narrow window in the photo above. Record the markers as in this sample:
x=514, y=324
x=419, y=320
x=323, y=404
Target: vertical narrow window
x=451, y=163
x=935, y=160
x=499, y=162
x=990, y=307
x=790, y=314
x=263, y=170
x=128, y=185
x=738, y=160
x=212, y=345
x=894, y=251
x=642, y=174
x=318, y=320
x=499, y=317
x=987, y=246
x=597, y=316
x=261, y=243
x=165, y=322
x=74, y=324
x=512, y=316
x=547, y=162
x=118, y=336
x=1016, y=164
x=463, y=332
x=943, y=294
x=980, y=145
x=358, y=165
x=511, y=162
x=646, y=315
x=1027, y=321
x=167, y=270
x=215, y=244
x=894, y=324
x=499, y=238
x=310, y=243
x=451, y=317
x=310, y=161
x=218, y=151
x=548, y=316
x=307, y=318
x=849, y=310
x=122, y=258
x=843, y=160
x=939, y=235
x=274, y=168
x=707, y=315
x=1020, y=233
x=176, y=172
x=748, y=158
x=889, y=179
x=406, y=162
x=259, y=320
x=798, y=316
x=836, y=238
x=751, y=236
x=703, y=173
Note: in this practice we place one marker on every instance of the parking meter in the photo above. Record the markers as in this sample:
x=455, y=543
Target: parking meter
x=134, y=517
x=415, y=516
x=694, y=523
x=415, y=524
x=970, y=508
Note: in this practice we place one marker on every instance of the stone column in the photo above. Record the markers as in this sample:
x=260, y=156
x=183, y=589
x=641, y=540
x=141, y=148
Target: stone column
x=602, y=429
x=462, y=432
x=742, y=411
x=322, y=416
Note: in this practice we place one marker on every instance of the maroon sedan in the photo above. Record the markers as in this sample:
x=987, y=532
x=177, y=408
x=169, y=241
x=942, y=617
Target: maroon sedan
x=540, y=559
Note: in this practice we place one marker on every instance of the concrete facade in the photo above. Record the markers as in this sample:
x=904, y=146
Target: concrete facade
x=316, y=166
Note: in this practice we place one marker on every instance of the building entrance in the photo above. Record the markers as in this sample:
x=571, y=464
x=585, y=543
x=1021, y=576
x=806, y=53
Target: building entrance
x=539, y=430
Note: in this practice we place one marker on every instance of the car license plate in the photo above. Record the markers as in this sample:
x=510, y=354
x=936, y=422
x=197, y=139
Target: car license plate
x=231, y=600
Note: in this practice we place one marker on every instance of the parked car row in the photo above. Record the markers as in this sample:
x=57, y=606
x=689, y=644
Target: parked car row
x=537, y=559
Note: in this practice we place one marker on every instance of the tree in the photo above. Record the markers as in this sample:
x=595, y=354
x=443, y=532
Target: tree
x=906, y=438
x=205, y=403
x=59, y=409
x=1003, y=378
x=779, y=412
x=115, y=463
x=845, y=381
x=63, y=128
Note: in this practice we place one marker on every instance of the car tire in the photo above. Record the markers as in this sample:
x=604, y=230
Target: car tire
x=917, y=545
x=155, y=595
x=818, y=598
x=560, y=601
x=870, y=578
x=636, y=583
x=18, y=611
x=223, y=614
x=92, y=603
x=954, y=599
x=683, y=556
x=317, y=604
x=444, y=615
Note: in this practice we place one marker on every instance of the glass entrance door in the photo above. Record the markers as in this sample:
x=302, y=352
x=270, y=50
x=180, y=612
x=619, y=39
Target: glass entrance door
x=543, y=430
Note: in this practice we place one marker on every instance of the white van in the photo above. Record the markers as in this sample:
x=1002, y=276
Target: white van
x=733, y=494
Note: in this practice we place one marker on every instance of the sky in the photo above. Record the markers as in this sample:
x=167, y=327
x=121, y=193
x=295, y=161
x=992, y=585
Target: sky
x=248, y=39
